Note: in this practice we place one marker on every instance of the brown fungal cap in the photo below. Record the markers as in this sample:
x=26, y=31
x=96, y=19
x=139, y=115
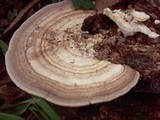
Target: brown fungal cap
x=43, y=60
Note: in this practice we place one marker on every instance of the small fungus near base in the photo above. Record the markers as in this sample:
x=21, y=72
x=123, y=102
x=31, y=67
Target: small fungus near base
x=130, y=22
x=157, y=22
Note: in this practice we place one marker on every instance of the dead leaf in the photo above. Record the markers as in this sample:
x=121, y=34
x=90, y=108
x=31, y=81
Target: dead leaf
x=9, y=93
x=4, y=23
x=16, y=4
x=2, y=65
x=3, y=11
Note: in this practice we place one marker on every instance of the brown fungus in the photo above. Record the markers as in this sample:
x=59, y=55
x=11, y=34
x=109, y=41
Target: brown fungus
x=42, y=61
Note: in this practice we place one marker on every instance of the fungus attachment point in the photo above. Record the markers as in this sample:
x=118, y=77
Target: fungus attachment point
x=43, y=60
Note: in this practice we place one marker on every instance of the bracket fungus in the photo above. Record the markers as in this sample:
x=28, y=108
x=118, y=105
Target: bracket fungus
x=42, y=61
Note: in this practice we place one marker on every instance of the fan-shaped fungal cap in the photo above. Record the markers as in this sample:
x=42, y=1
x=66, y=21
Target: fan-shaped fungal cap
x=42, y=61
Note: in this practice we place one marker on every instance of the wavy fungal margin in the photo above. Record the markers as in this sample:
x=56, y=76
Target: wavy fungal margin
x=44, y=60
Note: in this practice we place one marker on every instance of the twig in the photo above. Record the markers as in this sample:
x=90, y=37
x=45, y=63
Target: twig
x=20, y=16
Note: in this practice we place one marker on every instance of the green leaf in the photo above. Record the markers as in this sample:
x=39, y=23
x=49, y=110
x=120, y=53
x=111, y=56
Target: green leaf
x=27, y=101
x=3, y=46
x=40, y=108
x=22, y=106
x=19, y=108
x=46, y=108
x=85, y=4
x=40, y=115
x=5, y=116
